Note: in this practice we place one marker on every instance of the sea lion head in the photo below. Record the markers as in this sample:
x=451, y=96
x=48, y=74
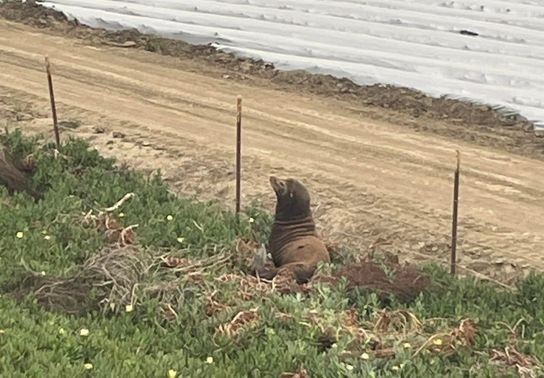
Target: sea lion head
x=293, y=199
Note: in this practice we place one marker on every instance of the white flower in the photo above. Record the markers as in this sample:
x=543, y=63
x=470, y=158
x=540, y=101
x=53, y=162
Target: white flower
x=84, y=332
x=88, y=366
x=251, y=220
x=349, y=367
x=365, y=356
x=169, y=218
x=129, y=308
x=62, y=331
x=20, y=235
x=406, y=345
x=172, y=373
x=395, y=368
x=47, y=237
x=121, y=215
x=180, y=240
x=209, y=360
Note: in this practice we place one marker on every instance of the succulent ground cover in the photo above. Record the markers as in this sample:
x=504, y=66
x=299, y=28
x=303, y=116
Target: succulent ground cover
x=110, y=274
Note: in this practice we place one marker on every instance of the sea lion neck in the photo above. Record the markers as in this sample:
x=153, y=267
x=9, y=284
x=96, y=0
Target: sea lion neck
x=285, y=212
x=288, y=219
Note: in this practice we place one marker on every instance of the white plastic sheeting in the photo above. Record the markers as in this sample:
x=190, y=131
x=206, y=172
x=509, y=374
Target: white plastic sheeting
x=424, y=44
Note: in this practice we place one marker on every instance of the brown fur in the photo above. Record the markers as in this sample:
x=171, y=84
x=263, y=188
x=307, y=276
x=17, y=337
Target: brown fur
x=293, y=243
x=12, y=175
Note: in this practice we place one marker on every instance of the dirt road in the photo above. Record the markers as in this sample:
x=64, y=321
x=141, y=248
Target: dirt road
x=370, y=179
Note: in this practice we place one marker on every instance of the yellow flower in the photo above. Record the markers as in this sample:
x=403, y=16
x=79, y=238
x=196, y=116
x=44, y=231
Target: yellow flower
x=84, y=332
x=129, y=308
x=88, y=366
x=169, y=218
x=437, y=341
x=19, y=235
x=209, y=360
x=172, y=373
x=47, y=237
x=365, y=356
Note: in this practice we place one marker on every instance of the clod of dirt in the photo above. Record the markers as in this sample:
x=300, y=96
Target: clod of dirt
x=34, y=14
x=99, y=130
x=117, y=135
x=405, y=282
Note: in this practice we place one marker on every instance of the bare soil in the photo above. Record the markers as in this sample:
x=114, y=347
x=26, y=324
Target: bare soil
x=378, y=160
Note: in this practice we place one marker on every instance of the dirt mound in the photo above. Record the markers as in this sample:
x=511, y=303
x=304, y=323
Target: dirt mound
x=31, y=13
x=473, y=122
x=405, y=282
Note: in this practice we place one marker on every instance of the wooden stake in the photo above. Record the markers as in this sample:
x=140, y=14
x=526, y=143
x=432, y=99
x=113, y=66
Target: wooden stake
x=238, y=151
x=455, y=215
x=53, y=106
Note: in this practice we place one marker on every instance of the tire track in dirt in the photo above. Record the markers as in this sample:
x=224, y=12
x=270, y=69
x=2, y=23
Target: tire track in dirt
x=369, y=178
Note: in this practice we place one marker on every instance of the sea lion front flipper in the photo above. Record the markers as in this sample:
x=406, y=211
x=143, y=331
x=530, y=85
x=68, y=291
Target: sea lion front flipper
x=302, y=273
x=267, y=273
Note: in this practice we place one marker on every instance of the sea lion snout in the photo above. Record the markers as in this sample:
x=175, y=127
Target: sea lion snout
x=278, y=185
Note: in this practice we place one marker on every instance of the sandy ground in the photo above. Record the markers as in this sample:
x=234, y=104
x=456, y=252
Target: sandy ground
x=372, y=179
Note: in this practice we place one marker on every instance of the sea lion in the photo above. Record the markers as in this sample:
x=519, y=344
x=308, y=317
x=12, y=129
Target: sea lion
x=13, y=175
x=294, y=244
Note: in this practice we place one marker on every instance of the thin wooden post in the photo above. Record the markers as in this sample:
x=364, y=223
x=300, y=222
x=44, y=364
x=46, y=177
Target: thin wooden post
x=455, y=215
x=53, y=106
x=238, y=151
